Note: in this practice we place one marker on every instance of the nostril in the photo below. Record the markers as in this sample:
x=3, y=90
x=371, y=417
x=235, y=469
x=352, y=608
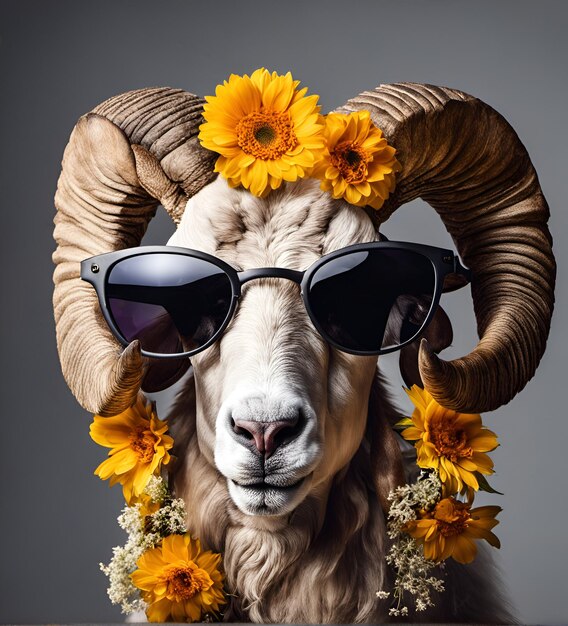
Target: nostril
x=279, y=433
x=267, y=436
x=250, y=430
x=241, y=430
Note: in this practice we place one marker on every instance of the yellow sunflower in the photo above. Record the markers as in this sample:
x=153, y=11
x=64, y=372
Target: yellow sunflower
x=139, y=447
x=454, y=444
x=264, y=128
x=359, y=165
x=179, y=582
x=451, y=528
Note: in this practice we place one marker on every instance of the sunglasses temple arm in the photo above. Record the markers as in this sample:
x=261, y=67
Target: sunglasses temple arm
x=461, y=269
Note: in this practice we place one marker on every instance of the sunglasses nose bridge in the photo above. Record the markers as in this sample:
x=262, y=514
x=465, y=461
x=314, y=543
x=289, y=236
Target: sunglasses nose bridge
x=271, y=272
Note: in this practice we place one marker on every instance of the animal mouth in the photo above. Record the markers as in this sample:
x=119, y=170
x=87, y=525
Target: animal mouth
x=264, y=485
x=268, y=499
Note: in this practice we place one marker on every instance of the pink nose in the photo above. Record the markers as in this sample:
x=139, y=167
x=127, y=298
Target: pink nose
x=267, y=436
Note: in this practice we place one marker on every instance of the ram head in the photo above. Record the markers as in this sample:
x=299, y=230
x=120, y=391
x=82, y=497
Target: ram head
x=274, y=417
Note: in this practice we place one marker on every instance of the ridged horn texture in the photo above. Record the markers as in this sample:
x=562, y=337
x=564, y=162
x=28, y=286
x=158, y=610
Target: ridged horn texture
x=464, y=159
x=129, y=154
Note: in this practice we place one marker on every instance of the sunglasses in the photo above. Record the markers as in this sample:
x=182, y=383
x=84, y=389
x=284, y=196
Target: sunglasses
x=366, y=299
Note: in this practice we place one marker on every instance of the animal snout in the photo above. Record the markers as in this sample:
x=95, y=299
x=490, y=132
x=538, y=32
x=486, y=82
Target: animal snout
x=267, y=446
x=264, y=424
x=267, y=436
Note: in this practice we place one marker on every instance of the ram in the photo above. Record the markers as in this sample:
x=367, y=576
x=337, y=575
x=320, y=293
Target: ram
x=285, y=446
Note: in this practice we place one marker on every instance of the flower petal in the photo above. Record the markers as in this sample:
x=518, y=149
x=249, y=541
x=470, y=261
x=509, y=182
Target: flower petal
x=464, y=550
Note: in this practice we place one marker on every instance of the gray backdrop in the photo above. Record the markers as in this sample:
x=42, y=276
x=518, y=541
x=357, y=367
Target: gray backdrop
x=58, y=59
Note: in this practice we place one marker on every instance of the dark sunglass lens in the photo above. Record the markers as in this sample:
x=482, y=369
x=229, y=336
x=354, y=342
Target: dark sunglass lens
x=371, y=300
x=171, y=303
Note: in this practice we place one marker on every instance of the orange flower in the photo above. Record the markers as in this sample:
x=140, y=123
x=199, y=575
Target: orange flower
x=451, y=528
x=265, y=130
x=359, y=165
x=454, y=444
x=179, y=582
x=139, y=447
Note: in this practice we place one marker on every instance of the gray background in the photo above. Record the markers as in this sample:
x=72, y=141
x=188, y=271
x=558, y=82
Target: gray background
x=59, y=59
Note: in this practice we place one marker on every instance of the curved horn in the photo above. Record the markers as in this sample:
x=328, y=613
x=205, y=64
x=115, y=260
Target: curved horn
x=130, y=153
x=464, y=159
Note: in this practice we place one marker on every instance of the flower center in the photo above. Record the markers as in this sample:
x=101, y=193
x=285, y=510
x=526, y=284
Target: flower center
x=449, y=440
x=451, y=517
x=266, y=135
x=184, y=582
x=351, y=161
x=142, y=442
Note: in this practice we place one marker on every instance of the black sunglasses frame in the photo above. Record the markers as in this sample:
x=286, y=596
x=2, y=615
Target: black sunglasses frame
x=96, y=269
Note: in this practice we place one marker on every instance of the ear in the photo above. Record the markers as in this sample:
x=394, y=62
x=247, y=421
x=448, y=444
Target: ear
x=439, y=335
x=387, y=468
x=163, y=373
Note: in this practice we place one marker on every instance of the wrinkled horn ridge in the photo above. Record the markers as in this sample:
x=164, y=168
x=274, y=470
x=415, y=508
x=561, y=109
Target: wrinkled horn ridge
x=131, y=153
x=464, y=159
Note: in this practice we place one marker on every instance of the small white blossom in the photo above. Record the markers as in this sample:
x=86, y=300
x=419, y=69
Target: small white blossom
x=143, y=534
x=413, y=570
x=156, y=489
x=170, y=519
x=424, y=493
x=130, y=519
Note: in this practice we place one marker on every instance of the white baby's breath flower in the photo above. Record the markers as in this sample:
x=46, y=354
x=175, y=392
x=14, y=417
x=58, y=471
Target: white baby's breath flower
x=143, y=534
x=170, y=519
x=130, y=520
x=424, y=493
x=413, y=570
x=156, y=489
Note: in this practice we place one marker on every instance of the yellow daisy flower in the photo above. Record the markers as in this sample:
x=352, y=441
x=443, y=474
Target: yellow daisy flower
x=139, y=447
x=178, y=581
x=451, y=528
x=359, y=166
x=454, y=444
x=264, y=128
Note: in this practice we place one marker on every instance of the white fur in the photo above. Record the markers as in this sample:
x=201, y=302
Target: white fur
x=271, y=357
x=288, y=465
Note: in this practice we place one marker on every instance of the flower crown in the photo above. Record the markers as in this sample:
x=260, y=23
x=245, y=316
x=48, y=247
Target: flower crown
x=267, y=131
x=164, y=571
